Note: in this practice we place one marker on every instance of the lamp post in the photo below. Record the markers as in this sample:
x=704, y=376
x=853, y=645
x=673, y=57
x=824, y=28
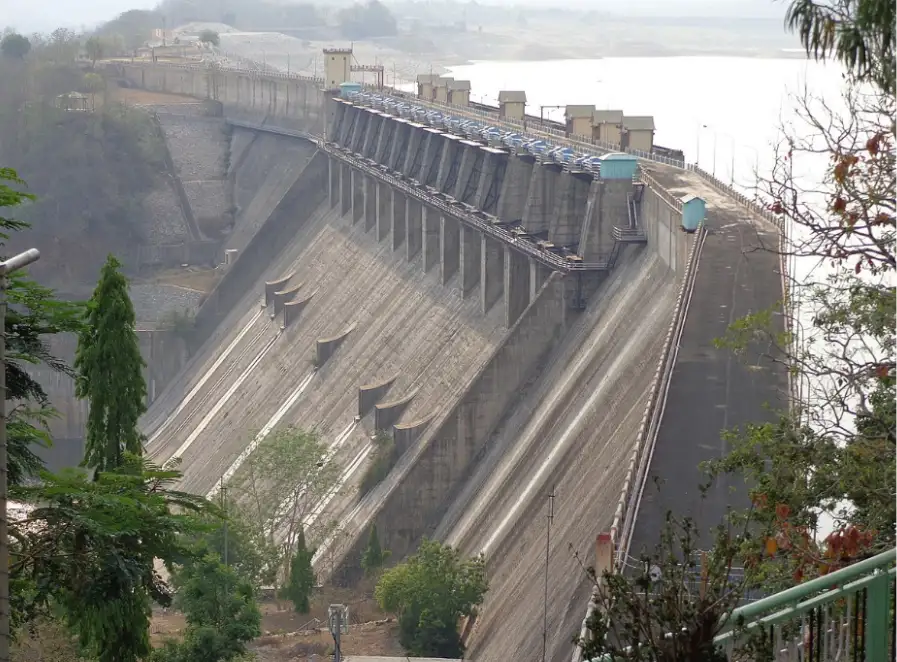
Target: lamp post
x=9, y=266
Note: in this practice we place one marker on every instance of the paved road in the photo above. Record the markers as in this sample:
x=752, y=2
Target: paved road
x=712, y=390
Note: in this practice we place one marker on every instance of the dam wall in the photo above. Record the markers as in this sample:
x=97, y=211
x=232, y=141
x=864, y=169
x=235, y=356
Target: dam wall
x=296, y=103
x=414, y=497
x=293, y=209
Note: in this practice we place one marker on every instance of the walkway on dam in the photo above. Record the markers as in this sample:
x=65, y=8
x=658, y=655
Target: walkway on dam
x=712, y=390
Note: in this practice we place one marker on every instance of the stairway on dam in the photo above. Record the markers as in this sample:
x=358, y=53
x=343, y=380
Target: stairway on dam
x=495, y=290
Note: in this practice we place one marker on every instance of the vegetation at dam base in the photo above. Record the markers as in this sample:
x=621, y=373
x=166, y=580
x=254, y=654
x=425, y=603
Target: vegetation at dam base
x=821, y=476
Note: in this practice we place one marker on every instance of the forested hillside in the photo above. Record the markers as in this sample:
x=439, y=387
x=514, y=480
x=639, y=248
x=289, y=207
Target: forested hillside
x=90, y=169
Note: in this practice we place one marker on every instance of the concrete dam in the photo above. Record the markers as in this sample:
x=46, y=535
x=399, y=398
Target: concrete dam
x=517, y=326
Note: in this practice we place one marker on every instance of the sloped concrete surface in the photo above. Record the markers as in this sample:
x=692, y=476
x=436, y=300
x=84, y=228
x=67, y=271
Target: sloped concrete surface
x=574, y=432
x=266, y=170
x=406, y=324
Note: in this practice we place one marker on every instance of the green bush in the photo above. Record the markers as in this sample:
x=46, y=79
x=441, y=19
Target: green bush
x=385, y=458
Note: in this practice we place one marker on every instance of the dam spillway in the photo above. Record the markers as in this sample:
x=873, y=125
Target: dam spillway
x=503, y=318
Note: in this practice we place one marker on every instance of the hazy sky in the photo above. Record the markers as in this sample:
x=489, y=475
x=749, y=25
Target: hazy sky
x=44, y=15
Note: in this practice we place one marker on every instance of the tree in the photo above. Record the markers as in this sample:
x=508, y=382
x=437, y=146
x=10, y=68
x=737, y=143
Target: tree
x=34, y=313
x=221, y=611
x=110, y=372
x=94, y=47
x=374, y=556
x=301, y=581
x=672, y=615
x=87, y=549
x=14, y=45
x=385, y=458
x=858, y=33
x=369, y=20
x=209, y=37
x=279, y=486
x=430, y=592
x=823, y=475
x=93, y=83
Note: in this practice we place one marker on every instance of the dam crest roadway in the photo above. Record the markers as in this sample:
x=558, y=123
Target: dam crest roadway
x=515, y=322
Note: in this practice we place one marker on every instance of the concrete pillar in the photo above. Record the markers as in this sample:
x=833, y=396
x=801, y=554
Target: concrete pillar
x=384, y=210
x=515, y=189
x=397, y=150
x=492, y=272
x=431, y=229
x=470, y=252
x=432, y=156
x=370, y=203
x=449, y=241
x=333, y=181
x=361, y=131
x=414, y=211
x=356, y=128
x=345, y=189
x=607, y=206
x=399, y=218
x=415, y=139
x=348, y=124
x=384, y=140
x=469, y=157
x=375, y=124
x=565, y=226
x=358, y=178
x=538, y=274
x=491, y=169
x=517, y=285
x=450, y=152
x=540, y=202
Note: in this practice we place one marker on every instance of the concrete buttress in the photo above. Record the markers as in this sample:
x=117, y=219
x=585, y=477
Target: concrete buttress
x=370, y=137
x=492, y=175
x=538, y=274
x=414, y=211
x=565, y=225
x=399, y=228
x=358, y=188
x=370, y=203
x=431, y=228
x=492, y=272
x=471, y=247
x=540, y=201
x=384, y=140
x=397, y=152
x=450, y=245
x=515, y=189
x=448, y=165
x=333, y=172
x=607, y=206
x=469, y=157
x=432, y=155
x=415, y=142
x=384, y=210
x=345, y=189
x=517, y=285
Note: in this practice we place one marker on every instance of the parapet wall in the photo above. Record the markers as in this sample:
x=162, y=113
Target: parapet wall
x=295, y=102
x=410, y=503
x=294, y=209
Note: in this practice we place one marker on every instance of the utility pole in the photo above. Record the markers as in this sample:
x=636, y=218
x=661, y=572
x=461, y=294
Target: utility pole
x=551, y=496
x=9, y=266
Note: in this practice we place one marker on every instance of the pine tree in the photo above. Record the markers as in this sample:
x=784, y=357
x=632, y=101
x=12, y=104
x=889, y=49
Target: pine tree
x=374, y=556
x=110, y=372
x=302, y=577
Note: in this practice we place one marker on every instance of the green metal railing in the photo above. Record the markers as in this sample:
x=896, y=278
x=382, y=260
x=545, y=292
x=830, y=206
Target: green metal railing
x=847, y=615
